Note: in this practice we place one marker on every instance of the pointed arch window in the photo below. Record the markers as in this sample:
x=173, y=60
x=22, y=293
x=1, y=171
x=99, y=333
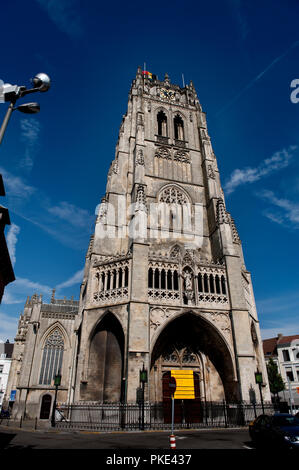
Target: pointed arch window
x=162, y=124
x=52, y=357
x=178, y=128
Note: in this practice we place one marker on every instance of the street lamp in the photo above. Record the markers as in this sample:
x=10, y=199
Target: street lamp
x=259, y=381
x=143, y=380
x=11, y=93
x=57, y=382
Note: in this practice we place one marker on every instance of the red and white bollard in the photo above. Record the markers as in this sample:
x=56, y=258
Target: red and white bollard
x=172, y=441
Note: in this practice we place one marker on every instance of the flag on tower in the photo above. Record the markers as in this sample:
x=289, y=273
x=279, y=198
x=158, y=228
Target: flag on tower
x=147, y=74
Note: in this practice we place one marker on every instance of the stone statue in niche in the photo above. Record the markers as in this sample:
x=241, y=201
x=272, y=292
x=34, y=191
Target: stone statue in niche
x=188, y=280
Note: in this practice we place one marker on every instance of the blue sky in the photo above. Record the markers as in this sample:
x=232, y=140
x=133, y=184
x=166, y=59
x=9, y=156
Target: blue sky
x=241, y=56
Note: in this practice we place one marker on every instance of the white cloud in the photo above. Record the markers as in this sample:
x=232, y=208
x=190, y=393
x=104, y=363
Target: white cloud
x=12, y=238
x=16, y=186
x=30, y=130
x=8, y=327
x=277, y=161
x=72, y=214
x=258, y=77
x=289, y=210
x=17, y=291
x=75, y=279
x=64, y=15
x=283, y=327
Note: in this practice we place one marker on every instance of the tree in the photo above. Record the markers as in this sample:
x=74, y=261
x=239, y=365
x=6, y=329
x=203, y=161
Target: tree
x=275, y=380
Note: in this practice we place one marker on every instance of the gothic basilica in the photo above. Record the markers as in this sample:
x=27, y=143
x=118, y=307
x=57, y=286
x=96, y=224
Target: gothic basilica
x=165, y=286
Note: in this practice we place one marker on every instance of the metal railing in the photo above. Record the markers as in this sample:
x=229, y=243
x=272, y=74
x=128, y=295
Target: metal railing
x=129, y=416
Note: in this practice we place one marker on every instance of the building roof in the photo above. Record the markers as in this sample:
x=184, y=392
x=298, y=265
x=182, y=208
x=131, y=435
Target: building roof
x=7, y=349
x=270, y=345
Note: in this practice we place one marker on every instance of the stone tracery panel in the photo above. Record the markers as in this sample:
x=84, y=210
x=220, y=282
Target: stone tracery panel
x=174, y=165
x=111, y=282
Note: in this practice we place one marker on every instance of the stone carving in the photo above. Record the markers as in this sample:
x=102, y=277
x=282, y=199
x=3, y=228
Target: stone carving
x=172, y=194
x=235, y=233
x=221, y=321
x=140, y=199
x=211, y=173
x=103, y=210
x=163, y=152
x=175, y=252
x=115, y=167
x=222, y=214
x=188, y=280
x=254, y=334
x=140, y=157
x=181, y=156
x=157, y=316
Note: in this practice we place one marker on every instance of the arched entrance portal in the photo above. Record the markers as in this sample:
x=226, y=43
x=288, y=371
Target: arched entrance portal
x=105, y=364
x=185, y=411
x=190, y=342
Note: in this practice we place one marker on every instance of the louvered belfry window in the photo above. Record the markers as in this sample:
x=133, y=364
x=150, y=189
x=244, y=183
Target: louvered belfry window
x=52, y=357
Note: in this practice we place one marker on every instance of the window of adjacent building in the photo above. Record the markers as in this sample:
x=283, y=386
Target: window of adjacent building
x=1, y=369
x=52, y=357
x=286, y=355
x=290, y=375
x=162, y=124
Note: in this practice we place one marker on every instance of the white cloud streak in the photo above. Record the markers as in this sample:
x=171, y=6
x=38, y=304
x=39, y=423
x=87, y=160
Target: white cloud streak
x=277, y=161
x=30, y=130
x=11, y=239
x=8, y=327
x=16, y=186
x=258, y=77
x=75, y=279
x=289, y=210
x=72, y=214
x=17, y=291
x=64, y=15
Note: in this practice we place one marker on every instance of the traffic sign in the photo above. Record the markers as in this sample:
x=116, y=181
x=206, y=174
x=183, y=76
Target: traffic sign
x=172, y=384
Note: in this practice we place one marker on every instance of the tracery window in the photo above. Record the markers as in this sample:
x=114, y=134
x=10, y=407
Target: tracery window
x=162, y=124
x=173, y=195
x=52, y=357
x=178, y=128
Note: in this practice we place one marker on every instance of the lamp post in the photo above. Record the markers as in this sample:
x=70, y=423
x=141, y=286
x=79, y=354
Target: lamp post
x=57, y=382
x=143, y=381
x=259, y=381
x=11, y=93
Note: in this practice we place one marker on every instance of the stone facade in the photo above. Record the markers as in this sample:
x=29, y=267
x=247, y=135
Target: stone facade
x=165, y=285
x=157, y=295
x=45, y=344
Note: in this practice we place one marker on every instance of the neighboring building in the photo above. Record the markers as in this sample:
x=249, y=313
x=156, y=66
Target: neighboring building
x=44, y=346
x=167, y=296
x=6, y=270
x=284, y=350
x=6, y=351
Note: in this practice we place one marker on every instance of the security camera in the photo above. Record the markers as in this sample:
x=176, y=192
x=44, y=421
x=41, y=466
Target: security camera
x=42, y=82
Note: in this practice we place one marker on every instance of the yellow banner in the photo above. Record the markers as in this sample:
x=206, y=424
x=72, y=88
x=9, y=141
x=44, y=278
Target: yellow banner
x=184, y=384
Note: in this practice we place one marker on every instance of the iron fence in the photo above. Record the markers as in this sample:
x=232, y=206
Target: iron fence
x=134, y=416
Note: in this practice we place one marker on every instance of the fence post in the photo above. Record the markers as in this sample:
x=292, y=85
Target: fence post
x=225, y=416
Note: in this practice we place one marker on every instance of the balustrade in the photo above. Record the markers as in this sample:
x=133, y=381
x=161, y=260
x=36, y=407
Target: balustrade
x=168, y=284
x=112, y=282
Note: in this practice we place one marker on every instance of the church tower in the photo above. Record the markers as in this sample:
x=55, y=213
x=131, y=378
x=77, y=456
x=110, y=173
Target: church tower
x=165, y=285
